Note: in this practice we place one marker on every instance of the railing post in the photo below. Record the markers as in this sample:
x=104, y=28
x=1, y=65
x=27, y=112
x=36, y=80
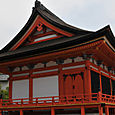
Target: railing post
x=21, y=112
x=0, y=112
x=52, y=111
x=21, y=101
x=52, y=100
x=1, y=101
x=82, y=110
x=99, y=96
x=100, y=110
x=106, y=110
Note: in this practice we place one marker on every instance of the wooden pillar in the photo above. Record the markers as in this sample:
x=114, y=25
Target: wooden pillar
x=30, y=89
x=60, y=81
x=21, y=112
x=0, y=112
x=106, y=110
x=100, y=110
x=87, y=79
x=9, y=113
x=52, y=111
x=10, y=87
x=100, y=79
x=31, y=66
x=82, y=110
x=111, y=85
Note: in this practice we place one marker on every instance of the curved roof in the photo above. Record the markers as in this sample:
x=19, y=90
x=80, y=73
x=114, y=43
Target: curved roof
x=80, y=36
x=41, y=10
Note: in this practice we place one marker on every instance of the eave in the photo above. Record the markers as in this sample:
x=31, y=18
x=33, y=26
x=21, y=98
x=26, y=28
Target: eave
x=40, y=10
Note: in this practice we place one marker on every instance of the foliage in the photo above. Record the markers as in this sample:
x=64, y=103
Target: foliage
x=4, y=93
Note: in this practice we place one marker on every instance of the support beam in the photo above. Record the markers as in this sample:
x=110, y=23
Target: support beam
x=82, y=110
x=100, y=110
x=106, y=110
x=21, y=112
x=52, y=111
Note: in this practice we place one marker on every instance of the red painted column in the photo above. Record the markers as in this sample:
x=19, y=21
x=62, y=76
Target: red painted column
x=10, y=87
x=21, y=112
x=52, y=111
x=100, y=79
x=87, y=79
x=82, y=110
x=60, y=81
x=111, y=85
x=0, y=112
x=30, y=89
x=100, y=110
x=106, y=110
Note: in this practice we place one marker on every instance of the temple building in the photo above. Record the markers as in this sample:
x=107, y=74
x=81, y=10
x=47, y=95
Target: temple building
x=57, y=69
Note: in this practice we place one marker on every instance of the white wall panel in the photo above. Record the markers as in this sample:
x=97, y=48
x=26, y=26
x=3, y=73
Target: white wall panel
x=20, y=89
x=46, y=86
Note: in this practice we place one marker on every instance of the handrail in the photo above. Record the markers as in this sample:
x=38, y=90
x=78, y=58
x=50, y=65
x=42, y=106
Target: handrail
x=56, y=100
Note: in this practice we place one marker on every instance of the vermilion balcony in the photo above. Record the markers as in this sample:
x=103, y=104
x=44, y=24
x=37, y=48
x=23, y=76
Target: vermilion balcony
x=94, y=98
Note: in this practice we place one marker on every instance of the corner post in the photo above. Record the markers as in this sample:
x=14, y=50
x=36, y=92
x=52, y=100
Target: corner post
x=100, y=110
x=82, y=110
x=52, y=111
x=0, y=112
x=88, y=80
x=21, y=112
x=107, y=110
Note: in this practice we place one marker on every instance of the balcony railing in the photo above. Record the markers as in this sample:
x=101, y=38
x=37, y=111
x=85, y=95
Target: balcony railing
x=59, y=100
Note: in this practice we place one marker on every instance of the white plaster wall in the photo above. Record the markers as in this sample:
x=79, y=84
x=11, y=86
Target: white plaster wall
x=51, y=63
x=67, y=61
x=78, y=59
x=20, y=89
x=46, y=86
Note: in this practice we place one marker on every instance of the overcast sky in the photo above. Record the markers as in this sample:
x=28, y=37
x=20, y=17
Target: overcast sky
x=85, y=14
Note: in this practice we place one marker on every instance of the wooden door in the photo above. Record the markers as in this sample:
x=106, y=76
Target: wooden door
x=78, y=86
x=68, y=86
x=73, y=84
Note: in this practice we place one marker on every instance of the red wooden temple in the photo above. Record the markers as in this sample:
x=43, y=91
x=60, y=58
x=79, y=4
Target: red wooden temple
x=58, y=69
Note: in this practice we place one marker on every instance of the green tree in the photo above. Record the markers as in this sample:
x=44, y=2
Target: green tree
x=4, y=93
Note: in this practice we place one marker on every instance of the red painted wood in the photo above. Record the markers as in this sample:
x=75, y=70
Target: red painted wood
x=88, y=76
x=82, y=110
x=60, y=81
x=44, y=34
x=45, y=39
x=78, y=83
x=36, y=22
x=100, y=110
x=106, y=110
x=52, y=111
x=21, y=112
x=50, y=56
x=68, y=86
x=55, y=28
x=30, y=88
x=10, y=87
x=26, y=35
x=0, y=112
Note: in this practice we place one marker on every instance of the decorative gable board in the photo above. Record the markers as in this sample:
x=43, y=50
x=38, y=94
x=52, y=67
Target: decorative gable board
x=40, y=31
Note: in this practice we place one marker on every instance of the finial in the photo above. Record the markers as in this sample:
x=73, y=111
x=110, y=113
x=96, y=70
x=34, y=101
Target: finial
x=37, y=3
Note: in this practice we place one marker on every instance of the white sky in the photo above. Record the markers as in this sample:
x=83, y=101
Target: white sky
x=85, y=14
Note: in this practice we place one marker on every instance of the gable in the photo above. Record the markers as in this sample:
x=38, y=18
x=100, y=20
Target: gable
x=40, y=31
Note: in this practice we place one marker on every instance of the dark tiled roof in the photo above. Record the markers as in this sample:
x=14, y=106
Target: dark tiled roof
x=41, y=10
x=81, y=36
